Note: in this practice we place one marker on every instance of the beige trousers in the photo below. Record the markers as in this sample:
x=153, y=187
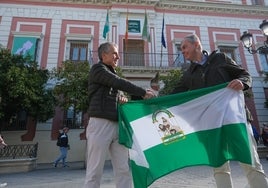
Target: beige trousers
x=102, y=137
x=254, y=173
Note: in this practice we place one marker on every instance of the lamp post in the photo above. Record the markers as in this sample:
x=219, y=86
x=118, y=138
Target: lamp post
x=247, y=41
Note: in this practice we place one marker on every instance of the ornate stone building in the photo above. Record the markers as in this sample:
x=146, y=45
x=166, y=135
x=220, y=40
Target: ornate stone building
x=73, y=29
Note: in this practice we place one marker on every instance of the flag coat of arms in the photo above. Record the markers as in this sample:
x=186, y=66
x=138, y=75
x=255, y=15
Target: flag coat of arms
x=200, y=127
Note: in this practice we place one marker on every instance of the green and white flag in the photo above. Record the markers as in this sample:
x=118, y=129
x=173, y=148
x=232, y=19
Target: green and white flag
x=145, y=30
x=106, y=27
x=24, y=46
x=200, y=127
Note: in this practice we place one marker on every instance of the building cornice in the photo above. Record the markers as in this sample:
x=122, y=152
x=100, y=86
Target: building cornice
x=170, y=5
x=213, y=7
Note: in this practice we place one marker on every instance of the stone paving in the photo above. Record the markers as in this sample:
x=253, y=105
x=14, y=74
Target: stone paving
x=46, y=176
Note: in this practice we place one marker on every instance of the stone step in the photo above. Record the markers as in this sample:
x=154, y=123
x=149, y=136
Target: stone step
x=262, y=151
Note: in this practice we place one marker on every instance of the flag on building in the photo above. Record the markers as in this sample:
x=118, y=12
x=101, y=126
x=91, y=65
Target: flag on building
x=106, y=28
x=200, y=127
x=163, y=40
x=126, y=34
x=145, y=31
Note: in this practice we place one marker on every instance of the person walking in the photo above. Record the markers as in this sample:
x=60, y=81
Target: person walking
x=264, y=134
x=105, y=92
x=208, y=70
x=63, y=144
x=2, y=146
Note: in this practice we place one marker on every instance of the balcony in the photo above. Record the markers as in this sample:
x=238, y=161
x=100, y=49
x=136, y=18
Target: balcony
x=132, y=63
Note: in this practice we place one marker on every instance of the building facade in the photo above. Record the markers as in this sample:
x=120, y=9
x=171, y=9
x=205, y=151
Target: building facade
x=60, y=30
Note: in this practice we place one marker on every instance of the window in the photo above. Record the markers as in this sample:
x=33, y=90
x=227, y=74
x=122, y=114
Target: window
x=17, y=122
x=78, y=50
x=264, y=61
x=228, y=51
x=257, y=2
x=134, y=53
x=72, y=118
x=266, y=97
x=232, y=52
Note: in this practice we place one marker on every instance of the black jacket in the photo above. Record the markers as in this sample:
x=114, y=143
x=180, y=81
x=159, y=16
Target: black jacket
x=63, y=140
x=104, y=90
x=218, y=69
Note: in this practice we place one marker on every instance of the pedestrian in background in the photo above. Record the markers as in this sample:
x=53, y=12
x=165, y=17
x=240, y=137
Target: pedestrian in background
x=63, y=144
x=2, y=142
x=2, y=146
x=210, y=70
x=102, y=131
x=264, y=134
x=256, y=134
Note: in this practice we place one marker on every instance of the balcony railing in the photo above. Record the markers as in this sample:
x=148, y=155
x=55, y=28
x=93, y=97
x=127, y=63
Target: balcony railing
x=19, y=151
x=145, y=60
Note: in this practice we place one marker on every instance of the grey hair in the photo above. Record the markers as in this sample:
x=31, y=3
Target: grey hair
x=193, y=38
x=105, y=48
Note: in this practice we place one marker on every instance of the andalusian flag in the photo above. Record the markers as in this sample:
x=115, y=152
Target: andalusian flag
x=146, y=31
x=200, y=127
x=106, y=28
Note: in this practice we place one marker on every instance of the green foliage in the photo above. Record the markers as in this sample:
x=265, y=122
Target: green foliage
x=119, y=72
x=170, y=81
x=22, y=88
x=72, y=88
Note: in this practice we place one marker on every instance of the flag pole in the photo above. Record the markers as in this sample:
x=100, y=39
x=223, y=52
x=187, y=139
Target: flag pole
x=108, y=36
x=163, y=41
x=161, y=56
x=126, y=34
x=126, y=40
x=161, y=44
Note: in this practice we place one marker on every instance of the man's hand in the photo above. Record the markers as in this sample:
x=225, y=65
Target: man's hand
x=122, y=99
x=149, y=94
x=236, y=85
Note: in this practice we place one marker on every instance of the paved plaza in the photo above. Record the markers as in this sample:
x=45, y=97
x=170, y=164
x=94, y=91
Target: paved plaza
x=46, y=176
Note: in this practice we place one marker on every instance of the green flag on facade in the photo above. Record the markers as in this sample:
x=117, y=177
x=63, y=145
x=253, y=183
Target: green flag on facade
x=145, y=31
x=106, y=28
x=24, y=46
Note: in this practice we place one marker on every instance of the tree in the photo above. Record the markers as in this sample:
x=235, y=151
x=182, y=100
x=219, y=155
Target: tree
x=23, y=89
x=71, y=86
x=170, y=81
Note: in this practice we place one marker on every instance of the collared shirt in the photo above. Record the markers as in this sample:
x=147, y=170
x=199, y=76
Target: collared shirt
x=204, y=59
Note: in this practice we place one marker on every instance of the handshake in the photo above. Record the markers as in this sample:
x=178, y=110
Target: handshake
x=149, y=94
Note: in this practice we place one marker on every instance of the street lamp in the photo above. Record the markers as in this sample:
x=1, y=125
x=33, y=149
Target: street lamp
x=246, y=38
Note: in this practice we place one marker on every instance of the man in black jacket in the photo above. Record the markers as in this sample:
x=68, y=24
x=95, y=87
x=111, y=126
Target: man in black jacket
x=209, y=70
x=102, y=131
x=63, y=143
